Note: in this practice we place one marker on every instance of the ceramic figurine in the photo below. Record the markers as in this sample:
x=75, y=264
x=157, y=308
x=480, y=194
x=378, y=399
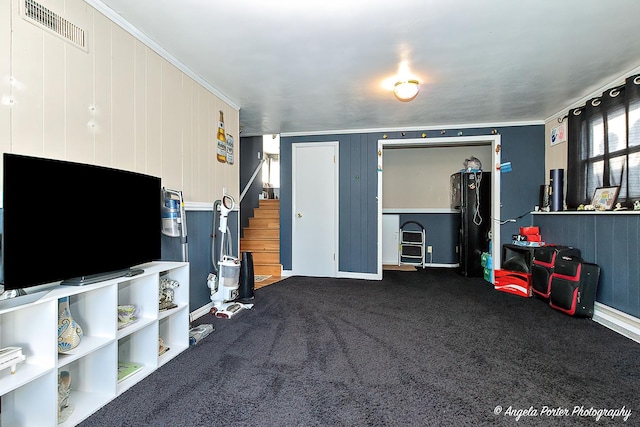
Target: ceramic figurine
x=167, y=293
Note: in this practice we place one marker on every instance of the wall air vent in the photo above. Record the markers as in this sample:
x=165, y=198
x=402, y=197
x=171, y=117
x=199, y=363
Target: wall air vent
x=39, y=15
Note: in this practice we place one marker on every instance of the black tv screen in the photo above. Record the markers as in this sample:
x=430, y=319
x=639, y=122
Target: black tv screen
x=65, y=220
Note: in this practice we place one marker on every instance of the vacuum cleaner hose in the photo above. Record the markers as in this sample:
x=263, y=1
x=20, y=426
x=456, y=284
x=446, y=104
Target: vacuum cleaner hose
x=214, y=230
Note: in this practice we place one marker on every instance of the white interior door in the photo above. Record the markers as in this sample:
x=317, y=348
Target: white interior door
x=315, y=209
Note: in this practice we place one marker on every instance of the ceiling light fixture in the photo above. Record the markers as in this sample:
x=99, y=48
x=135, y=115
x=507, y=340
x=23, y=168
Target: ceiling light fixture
x=406, y=90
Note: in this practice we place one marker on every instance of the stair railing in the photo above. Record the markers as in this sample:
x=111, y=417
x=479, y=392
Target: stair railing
x=253, y=177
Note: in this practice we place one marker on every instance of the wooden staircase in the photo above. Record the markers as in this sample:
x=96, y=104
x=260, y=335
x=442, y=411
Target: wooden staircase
x=262, y=238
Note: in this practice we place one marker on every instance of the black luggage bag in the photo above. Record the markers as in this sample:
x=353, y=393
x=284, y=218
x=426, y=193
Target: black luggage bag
x=573, y=287
x=544, y=259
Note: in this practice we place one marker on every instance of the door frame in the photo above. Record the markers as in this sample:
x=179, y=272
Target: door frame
x=493, y=140
x=336, y=202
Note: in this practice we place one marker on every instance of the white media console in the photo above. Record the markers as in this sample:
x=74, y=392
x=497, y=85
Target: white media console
x=30, y=395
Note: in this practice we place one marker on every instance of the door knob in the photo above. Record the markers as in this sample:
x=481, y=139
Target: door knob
x=299, y=215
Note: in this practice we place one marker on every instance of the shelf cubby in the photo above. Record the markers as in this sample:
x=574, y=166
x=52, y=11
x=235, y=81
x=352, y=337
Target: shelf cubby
x=22, y=327
x=92, y=384
x=170, y=331
x=32, y=404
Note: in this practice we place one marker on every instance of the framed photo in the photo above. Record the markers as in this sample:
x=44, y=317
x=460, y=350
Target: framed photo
x=605, y=197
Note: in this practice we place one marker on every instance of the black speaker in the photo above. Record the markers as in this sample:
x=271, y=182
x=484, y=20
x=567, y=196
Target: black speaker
x=247, y=278
x=517, y=258
x=556, y=193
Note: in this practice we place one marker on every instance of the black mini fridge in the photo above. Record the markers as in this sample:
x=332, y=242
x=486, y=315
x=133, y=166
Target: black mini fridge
x=471, y=195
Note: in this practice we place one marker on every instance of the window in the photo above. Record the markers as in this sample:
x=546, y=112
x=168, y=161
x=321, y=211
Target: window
x=271, y=171
x=604, y=145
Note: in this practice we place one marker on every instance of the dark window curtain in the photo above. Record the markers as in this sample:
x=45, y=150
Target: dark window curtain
x=633, y=118
x=604, y=145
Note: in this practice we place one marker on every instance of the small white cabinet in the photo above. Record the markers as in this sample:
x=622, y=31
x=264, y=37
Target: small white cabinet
x=29, y=397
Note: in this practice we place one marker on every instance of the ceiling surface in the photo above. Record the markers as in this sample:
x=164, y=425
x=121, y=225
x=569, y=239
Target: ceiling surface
x=309, y=66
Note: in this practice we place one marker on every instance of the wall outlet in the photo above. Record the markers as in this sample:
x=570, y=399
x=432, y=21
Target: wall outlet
x=429, y=249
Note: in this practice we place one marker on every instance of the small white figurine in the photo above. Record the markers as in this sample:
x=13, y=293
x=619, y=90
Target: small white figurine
x=636, y=205
x=167, y=293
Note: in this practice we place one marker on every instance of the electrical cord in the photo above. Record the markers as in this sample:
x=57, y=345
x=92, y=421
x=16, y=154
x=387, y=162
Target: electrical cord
x=504, y=221
x=477, y=217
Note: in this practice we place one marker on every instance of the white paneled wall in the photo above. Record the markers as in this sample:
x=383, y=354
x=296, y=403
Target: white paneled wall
x=117, y=104
x=5, y=73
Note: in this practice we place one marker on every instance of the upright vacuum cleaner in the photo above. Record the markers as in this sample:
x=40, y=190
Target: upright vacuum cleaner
x=224, y=283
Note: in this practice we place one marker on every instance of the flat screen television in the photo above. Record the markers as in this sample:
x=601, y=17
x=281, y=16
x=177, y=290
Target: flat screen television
x=75, y=223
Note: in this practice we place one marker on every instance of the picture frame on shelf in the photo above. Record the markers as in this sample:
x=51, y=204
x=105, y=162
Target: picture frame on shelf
x=604, y=198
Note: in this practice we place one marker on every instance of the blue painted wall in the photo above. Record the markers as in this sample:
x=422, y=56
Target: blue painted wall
x=523, y=146
x=358, y=190
x=441, y=232
x=609, y=240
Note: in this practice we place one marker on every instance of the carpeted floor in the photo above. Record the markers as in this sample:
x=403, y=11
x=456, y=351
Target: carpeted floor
x=418, y=348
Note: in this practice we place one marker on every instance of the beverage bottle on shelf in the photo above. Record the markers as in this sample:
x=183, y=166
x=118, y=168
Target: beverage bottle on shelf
x=229, y=149
x=222, y=140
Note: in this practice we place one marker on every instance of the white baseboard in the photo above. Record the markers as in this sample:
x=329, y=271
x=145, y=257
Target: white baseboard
x=205, y=309
x=430, y=264
x=352, y=275
x=370, y=276
x=342, y=274
x=617, y=321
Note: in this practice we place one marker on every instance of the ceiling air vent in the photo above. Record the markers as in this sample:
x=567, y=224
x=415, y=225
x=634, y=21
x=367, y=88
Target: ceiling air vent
x=39, y=15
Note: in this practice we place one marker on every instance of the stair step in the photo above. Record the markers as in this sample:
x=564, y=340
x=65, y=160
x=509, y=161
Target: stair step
x=269, y=203
x=261, y=233
x=265, y=257
x=266, y=213
x=267, y=269
x=264, y=223
x=259, y=244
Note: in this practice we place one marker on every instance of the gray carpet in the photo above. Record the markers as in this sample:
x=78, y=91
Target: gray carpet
x=415, y=349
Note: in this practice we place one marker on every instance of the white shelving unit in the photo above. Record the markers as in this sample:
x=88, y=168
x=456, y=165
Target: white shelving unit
x=30, y=396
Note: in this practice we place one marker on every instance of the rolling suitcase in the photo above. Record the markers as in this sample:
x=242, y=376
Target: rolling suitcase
x=544, y=259
x=573, y=287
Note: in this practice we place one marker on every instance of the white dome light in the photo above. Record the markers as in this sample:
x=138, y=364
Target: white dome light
x=406, y=90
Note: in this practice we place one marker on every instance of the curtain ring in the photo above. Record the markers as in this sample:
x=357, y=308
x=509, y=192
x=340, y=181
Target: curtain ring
x=614, y=92
x=596, y=102
x=577, y=111
x=636, y=80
